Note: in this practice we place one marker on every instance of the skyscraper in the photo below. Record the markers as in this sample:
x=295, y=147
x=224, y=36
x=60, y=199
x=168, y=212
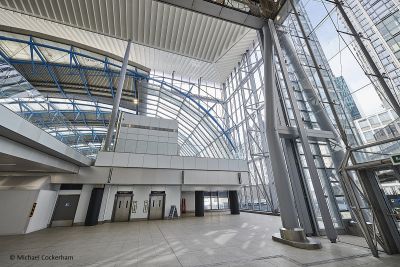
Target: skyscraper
x=379, y=23
x=347, y=98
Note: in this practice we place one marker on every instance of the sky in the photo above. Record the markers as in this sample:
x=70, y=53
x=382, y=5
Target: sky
x=343, y=63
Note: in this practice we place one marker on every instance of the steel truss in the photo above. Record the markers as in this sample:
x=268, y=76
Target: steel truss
x=68, y=92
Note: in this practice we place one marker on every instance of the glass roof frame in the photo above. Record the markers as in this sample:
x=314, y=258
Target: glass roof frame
x=198, y=107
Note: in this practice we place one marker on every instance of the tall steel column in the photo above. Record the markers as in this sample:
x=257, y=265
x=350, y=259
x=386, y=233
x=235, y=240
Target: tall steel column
x=311, y=96
x=320, y=75
x=117, y=98
x=319, y=192
x=392, y=100
x=279, y=170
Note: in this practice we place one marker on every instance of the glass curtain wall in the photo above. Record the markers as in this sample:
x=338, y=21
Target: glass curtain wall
x=245, y=105
x=244, y=96
x=244, y=102
x=199, y=109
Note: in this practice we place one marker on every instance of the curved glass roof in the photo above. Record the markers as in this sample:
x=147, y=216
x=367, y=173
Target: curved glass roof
x=68, y=92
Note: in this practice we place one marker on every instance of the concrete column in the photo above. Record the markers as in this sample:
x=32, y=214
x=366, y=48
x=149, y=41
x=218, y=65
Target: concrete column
x=199, y=203
x=234, y=202
x=117, y=99
x=279, y=170
x=92, y=215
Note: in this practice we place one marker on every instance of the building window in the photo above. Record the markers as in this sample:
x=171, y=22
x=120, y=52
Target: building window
x=374, y=121
x=216, y=200
x=364, y=125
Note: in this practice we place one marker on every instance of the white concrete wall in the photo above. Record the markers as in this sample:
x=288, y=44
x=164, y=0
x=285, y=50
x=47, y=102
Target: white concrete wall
x=83, y=204
x=141, y=134
x=190, y=200
x=142, y=160
x=43, y=211
x=86, y=175
x=34, y=157
x=104, y=202
x=24, y=182
x=141, y=176
x=173, y=197
x=196, y=177
x=212, y=188
x=21, y=127
x=140, y=194
x=15, y=208
x=148, y=176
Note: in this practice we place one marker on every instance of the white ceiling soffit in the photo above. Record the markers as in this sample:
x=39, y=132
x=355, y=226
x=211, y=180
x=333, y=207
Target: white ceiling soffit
x=166, y=38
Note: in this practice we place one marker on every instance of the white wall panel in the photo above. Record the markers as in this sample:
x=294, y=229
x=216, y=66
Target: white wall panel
x=146, y=176
x=197, y=177
x=88, y=175
x=83, y=203
x=43, y=211
x=15, y=208
x=190, y=200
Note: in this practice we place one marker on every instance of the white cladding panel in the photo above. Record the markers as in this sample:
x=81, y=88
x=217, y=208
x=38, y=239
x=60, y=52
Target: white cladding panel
x=86, y=175
x=15, y=208
x=195, y=177
x=148, y=135
x=146, y=176
x=46, y=201
x=138, y=160
x=84, y=198
x=189, y=200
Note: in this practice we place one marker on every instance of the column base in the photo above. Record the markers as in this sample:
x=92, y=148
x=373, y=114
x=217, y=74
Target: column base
x=296, y=238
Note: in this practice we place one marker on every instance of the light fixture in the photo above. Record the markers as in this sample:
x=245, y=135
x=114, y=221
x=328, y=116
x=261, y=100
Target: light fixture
x=135, y=101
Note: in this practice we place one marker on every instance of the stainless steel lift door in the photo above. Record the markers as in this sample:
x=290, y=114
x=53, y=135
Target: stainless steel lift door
x=156, y=207
x=122, y=208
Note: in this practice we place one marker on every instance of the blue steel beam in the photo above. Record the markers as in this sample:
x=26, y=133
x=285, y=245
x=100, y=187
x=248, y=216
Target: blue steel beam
x=81, y=74
x=133, y=72
x=130, y=72
x=110, y=78
x=49, y=69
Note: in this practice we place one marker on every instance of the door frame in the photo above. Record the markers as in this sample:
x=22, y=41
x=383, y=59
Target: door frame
x=122, y=193
x=157, y=193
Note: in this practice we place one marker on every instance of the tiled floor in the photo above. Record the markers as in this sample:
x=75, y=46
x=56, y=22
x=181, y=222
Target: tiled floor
x=218, y=240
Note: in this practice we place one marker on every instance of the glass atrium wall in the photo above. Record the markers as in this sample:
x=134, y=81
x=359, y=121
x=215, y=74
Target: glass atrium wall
x=244, y=89
x=199, y=109
x=244, y=97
